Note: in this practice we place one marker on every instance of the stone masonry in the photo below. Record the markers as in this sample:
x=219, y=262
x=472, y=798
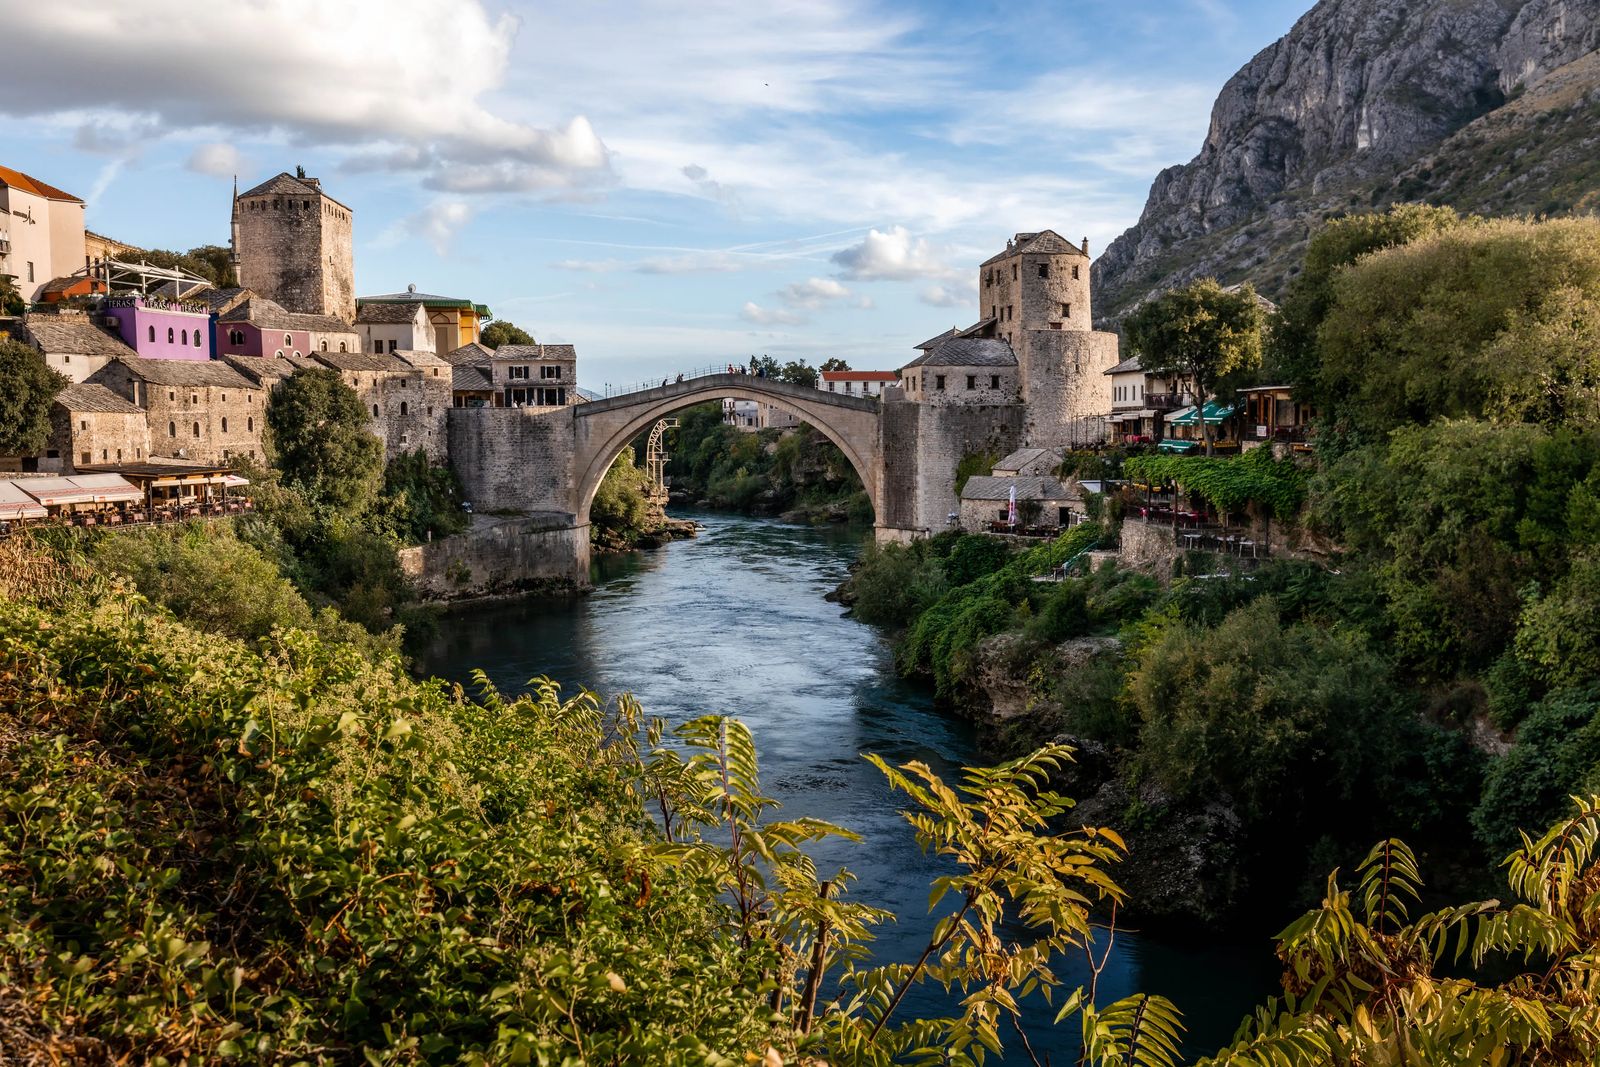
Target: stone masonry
x=292, y=245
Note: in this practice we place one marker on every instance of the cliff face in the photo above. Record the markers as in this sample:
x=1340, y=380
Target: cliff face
x=1343, y=113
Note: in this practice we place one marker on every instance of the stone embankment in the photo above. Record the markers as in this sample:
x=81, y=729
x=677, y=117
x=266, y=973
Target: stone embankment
x=501, y=556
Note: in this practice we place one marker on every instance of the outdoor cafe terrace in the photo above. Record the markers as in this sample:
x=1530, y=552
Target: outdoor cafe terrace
x=133, y=495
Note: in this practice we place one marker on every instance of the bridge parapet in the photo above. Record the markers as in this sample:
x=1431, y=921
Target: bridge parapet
x=724, y=384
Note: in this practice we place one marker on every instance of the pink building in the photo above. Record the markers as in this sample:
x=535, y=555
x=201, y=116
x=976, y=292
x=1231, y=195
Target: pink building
x=158, y=328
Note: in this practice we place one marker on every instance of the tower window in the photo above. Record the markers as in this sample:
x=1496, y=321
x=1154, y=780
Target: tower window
x=1013, y=272
x=403, y=409
x=1008, y=312
x=374, y=411
x=938, y=382
x=1074, y=272
x=224, y=424
x=1044, y=270
x=250, y=424
x=1066, y=311
x=169, y=335
x=197, y=429
x=172, y=429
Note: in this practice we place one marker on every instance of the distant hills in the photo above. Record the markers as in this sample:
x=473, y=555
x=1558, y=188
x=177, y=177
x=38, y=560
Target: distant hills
x=1491, y=106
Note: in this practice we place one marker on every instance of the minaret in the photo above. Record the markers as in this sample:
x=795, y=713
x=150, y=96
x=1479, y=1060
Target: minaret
x=233, y=237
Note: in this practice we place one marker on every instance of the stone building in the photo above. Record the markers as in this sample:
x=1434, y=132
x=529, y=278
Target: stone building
x=157, y=328
x=91, y=425
x=392, y=327
x=205, y=412
x=1140, y=400
x=71, y=343
x=1035, y=296
x=1042, y=503
x=41, y=232
x=407, y=395
x=292, y=245
x=252, y=325
x=963, y=370
x=857, y=382
x=1029, y=461
x=456, y=321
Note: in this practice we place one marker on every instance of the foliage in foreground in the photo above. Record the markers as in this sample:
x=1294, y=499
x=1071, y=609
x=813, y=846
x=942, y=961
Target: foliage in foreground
x=300, y=855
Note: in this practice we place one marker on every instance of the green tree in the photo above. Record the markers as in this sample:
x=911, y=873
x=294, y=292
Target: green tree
x=500, y=332
x=1557, y=756
x=211, y=262
x=220, y=261
x=11, y=302
x=799, y=372
x=834, y=363
x=1200, y=334
x=1291, y=351
x=621, y=506
x=317, y=437
x=1473, y=321
x=421, y=499
x=1559, y=636
x=27, y=388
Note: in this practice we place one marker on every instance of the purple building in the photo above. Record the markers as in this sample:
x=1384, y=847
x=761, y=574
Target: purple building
x=158, y=328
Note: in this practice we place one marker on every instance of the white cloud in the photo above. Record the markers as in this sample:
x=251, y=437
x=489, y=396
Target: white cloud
x=891, y=255
x=943, y=296
x=697, y=262
x=416, y=86
x=813, y=293
x=752, y=312
x=217, y=159
x=437, y=223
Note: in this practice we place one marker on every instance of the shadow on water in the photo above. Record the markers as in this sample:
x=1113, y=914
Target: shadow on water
x=735, y=622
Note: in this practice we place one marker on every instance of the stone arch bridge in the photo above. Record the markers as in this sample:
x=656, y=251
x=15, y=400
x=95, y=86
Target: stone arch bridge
x=545, y=464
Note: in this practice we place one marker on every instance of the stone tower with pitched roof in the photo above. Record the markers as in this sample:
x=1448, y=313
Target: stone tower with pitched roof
x=292, y=244
x=1035, y=297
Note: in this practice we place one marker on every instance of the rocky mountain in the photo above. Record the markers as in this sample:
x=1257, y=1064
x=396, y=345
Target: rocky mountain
x=1488, y=105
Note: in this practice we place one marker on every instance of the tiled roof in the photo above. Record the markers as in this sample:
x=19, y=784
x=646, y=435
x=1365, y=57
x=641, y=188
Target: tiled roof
x=89, y=396
x=469, y=354
x=271, y=315
x=74, y=335
x=1045, y=242
x=388, y=313
x=186, y=372
x=64, y=285
x=937, y=338
x=985, y=487
x=860, y=375
x=224, y=300
x=968, y=352
x=1028, y=457
x=536, y=352
x=419, y=358
x=180, y=289
x=287, y=184
x=471, y=379
x=28, y=184
x=1127, y=366
x=361, y=361
x=264, y=370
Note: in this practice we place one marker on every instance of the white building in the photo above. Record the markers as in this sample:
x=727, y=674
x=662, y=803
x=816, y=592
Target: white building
x=751, y=416
x=857, y=382
x=41, y=232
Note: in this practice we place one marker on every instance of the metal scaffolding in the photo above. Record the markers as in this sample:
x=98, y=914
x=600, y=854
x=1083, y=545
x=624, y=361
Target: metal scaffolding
x=656, y=458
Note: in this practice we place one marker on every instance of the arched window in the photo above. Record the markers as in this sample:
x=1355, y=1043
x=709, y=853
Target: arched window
x=403, y=407
x=152, y=333
x=279, y=353
x=287, y=340
x=197, y=338
x=374, y=411
x=297, y=353
x=224, y=424
x=250, y=424
x=170, y=333
x=186, y=337
x=324, y=344
x=172, y=429
x=197, y=429
x=341, y=346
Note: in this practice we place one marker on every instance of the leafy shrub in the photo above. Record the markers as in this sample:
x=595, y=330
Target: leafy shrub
x=896, y=583
x=421, y=499
x=1557, y=755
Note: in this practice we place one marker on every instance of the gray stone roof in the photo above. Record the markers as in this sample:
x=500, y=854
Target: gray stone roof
x=361, y=361
x=382, y=312
x=984, y=487
x=968, y=352
x=271, y=315
x=1045, y=242
x=938, y=337
x=265, y=370
x=1127, y=366
x=469, y=354
x=286, y=184
x=74, y=335
x=1030, y=457
x=90, y=396
x=187, y=372
x=223, y=300
x=470, y=378
x=536, y=352
x=419, y=359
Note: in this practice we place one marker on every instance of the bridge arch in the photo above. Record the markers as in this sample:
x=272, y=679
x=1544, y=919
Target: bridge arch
x=605, y=427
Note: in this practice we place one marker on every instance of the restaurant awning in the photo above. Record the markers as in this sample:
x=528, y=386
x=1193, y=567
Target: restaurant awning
x=82, y=489
x=1171, y=445
x=234, y=481
x=1214, y=413
x=16, y=504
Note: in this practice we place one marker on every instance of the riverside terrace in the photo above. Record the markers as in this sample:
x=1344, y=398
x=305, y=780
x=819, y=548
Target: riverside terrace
x=142, y=494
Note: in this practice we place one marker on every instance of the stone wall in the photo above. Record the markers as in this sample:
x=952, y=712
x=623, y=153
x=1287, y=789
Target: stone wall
x=88, y=438
x=501, y=556
x=199, y=423
x=1148, y=547
x=296, y=250
x=945, y=435
x=513, y=459
x=990, y=385
x=1036, y=302
x=898, y=427
x=1065, y=385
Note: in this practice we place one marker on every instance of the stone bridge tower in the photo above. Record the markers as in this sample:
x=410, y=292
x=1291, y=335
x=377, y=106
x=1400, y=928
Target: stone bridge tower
x=1035, y=297
x=292, y=244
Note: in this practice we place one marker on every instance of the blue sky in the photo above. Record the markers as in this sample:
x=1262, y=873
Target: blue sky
x=665, y=185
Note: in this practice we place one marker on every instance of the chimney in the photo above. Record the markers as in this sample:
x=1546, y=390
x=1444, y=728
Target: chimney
x=1085, y=246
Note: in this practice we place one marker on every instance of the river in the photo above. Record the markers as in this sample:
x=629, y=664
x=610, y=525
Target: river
x=735, y=622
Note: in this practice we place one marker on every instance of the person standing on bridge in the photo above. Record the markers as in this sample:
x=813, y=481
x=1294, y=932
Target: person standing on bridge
x=680, y=379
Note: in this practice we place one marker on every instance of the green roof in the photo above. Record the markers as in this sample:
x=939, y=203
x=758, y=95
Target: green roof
x=1214, y=413
x=427, y=300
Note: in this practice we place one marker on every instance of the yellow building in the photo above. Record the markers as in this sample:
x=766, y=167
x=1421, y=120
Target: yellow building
x=456, y=321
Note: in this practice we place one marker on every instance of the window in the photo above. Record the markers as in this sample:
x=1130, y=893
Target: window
x=1044, y=270
x=1013, y=272
x=550, y=372
x=1074, y=273
x=430, y=409
x=197, y=429
x=830, y=387
x=224, y=424
x=297, y=353
x=236, y=337
x=197, y=338
x=185, y=337
x=288, y=341
x=169, y=335
x=105, y=455
x=341, y=346
x=30, y=278
x=324, y=345
x=517, y=372
x=278, y=353
x=172, y=394
x=377, y=345
x=374, y=411
x=85, y=458
x=403, y=409
x=1066, y=311
x=194, y=398
x=83, y=424
x=250, y=424
x=393, y=345
x=994, y=381
x=938, y=382
x=1008, y=312
x=847, y=387
x=972, y=381
x=152, y=333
